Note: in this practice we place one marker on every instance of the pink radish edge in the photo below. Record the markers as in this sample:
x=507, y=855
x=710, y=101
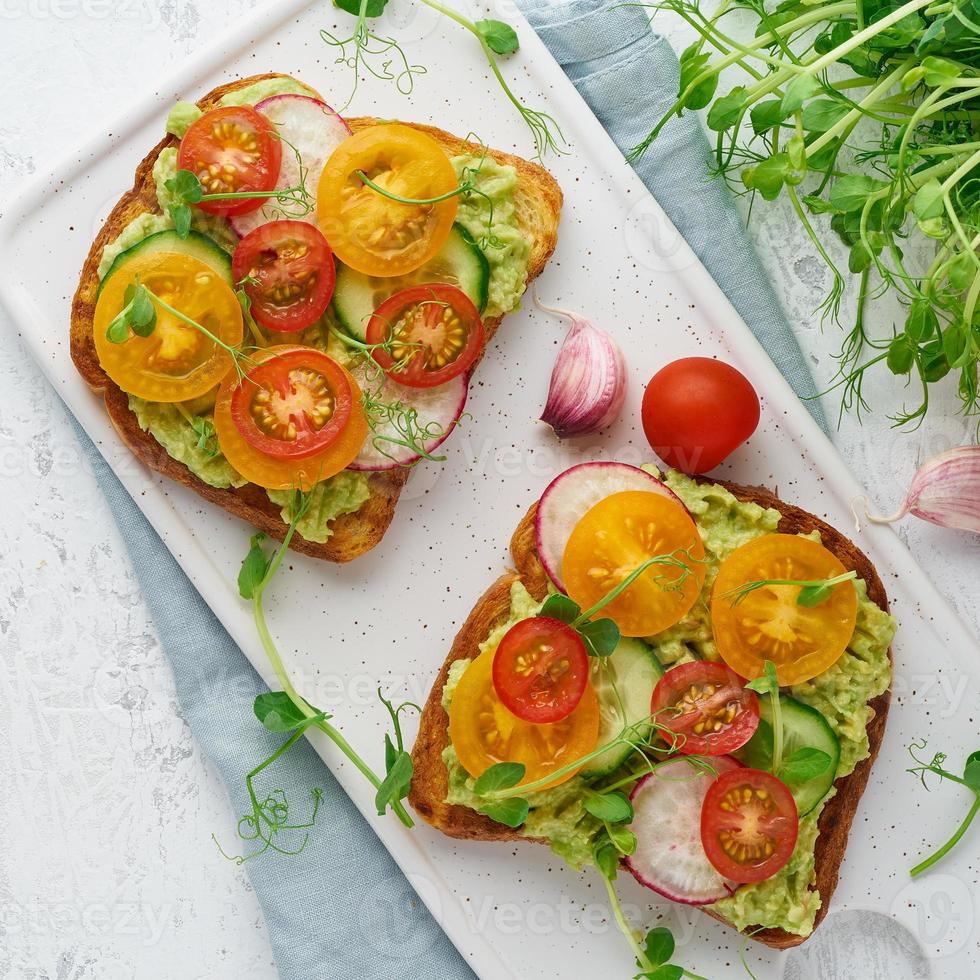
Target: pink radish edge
x=243, y=224
x=553, y=525
x=725, y=888
x=451, y=418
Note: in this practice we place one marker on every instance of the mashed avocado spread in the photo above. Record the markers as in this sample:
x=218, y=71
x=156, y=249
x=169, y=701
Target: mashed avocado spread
x=503, y=243
x=507, y=251
x=841, y=694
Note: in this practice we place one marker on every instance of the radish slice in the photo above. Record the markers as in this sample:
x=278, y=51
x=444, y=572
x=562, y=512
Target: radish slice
x=438, y=408
x=315, y=131
x=669, y=857
x=575, y=492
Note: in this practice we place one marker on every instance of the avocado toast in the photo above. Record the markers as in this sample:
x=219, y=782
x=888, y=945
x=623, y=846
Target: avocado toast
x=353, y=508
x=782, y=911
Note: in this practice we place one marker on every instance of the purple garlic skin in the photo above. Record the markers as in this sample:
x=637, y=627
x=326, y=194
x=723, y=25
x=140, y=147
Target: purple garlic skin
x=588, y=381
x=945, y=491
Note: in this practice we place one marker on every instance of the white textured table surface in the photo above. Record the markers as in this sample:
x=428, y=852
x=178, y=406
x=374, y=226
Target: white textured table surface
x=107, y=867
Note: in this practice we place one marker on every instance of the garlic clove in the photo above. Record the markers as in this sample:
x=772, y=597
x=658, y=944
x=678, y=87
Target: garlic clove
x=588, y=382
x=945, y=491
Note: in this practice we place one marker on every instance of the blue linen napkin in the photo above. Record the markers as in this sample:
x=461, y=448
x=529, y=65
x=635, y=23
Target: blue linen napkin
x=342, y=908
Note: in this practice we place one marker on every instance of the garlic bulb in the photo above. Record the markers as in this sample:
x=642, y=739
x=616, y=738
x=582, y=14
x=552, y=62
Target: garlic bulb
x=945, y=491
x=588, y=381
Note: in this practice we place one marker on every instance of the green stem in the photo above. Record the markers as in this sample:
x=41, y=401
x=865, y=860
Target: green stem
x=951, y=843
x=462, y=189
x=281, y=751
x=777, y=731
x=624, y=927
x=236, y=354
x=625, y=584
x=272, y=652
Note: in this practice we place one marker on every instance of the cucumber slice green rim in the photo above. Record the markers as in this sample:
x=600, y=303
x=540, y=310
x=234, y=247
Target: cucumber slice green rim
x=459, y=262
x=196, y=245
x=624, y=684
x=803, y=727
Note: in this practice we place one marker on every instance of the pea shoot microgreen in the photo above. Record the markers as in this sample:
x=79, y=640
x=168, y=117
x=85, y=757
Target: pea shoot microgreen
x=865, y=114
x=383, y=58
x=468, y=185
x=364, y=50
x=798, y=767
x=601, y=636
x=812, y=591
x=186, y=189
x=287, y=711
x=138, y=316
x=768, y=684
x=970, y=779
x=207, y=438
x=658, y=946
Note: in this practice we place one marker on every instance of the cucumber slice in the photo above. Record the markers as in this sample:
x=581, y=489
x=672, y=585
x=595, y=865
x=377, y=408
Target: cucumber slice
x=196, y=245
x=803, y=728
x=460, y=262
x=632, y=670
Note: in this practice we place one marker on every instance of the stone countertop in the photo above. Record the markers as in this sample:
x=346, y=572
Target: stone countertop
x=109, y=870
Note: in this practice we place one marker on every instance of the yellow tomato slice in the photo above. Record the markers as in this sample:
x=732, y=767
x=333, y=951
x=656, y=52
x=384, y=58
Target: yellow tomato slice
x=285, y=474
x=369, y=231
x=176, y=362
x=768, y=623
x=618, y=535
x=484, y=732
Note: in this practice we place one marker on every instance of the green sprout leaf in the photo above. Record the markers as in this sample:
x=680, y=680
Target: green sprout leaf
x=612, y=807
x=254, y=568
x=560, y=607
x=802, y=87
x=693, y=62
x=501, y=38
x=511, y=812
x=606, y=857
x=901, y=357
x=765, y=115
x=375, y=8
x=823, y=114
x=726, y=111
x=601, y=637
x=503, y=775
x=185, y=186
x=659, y=946
x=803, y=765
x=396, y=784
x=182, y=217
x=279, y=713
x=623, y=839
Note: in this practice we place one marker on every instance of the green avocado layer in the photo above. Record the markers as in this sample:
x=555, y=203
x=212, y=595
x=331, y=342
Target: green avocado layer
x=841, y=694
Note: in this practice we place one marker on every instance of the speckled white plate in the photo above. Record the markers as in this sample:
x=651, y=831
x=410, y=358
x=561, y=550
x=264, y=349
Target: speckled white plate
x=390, y=617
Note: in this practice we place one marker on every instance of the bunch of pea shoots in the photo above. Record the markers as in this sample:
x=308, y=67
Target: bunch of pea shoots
x=865, y=114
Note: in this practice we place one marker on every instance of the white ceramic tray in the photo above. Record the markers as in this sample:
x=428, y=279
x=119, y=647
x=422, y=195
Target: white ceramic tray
x=390, y=617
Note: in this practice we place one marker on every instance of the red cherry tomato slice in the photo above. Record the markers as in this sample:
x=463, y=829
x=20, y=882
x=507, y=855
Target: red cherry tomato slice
x=232, y=150
x=433, y=332
x=541, y=670
x=749, y=825
x=706, y=707
x=293, y=405
x=288, y=272
x=697, y=411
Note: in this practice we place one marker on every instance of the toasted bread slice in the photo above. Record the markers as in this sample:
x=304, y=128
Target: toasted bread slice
x=430, y=781
x=539, y=201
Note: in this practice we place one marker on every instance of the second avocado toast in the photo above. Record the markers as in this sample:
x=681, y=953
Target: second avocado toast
x=850, y=694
